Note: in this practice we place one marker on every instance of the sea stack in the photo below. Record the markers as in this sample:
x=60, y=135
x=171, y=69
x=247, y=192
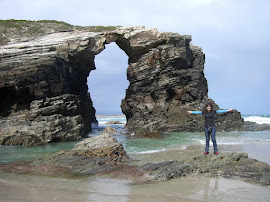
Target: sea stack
x=44, y=92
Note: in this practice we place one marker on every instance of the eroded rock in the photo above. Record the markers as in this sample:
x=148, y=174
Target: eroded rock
x=102, y=146
x=230, y=165
x=109, y=130
x=44, y=79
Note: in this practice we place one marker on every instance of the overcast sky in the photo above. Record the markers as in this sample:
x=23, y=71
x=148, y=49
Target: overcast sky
x=234, y=35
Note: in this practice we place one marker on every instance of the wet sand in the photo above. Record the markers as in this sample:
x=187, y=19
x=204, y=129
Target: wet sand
x=44, y=188
x=37, y=188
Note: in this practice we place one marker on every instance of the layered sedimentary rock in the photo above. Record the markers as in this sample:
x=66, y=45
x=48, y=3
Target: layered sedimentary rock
x=167, y=79
x=44, y=94
x=43, y=88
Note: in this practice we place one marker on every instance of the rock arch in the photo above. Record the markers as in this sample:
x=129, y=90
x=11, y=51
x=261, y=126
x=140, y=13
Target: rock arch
x=44, y=84
x=108, y=83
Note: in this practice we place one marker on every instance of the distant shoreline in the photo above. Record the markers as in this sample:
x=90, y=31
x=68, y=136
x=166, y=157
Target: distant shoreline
x=102, y=115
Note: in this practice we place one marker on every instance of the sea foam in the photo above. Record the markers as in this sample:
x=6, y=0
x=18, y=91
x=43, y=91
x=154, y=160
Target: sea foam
x=151, y=151
x=258, y=119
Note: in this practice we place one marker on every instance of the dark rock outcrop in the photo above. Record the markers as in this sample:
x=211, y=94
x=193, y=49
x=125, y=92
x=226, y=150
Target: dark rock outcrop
x=44, y=92
x=166, y=80
x=231, y=165
x=88, y=157
x=43, y=87
x=114, y=122
x=252, y=126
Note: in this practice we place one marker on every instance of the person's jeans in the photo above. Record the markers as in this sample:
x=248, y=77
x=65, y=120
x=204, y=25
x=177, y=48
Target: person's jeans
x=207, y=138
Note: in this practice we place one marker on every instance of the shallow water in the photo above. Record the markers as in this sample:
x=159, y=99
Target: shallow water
x=174, y=146
x=43, y=188
x=21, y=153
x=201, y=189
x=181, y=140
x=255, y=143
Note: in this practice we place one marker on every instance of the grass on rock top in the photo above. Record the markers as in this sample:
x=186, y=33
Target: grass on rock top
x=25, y=28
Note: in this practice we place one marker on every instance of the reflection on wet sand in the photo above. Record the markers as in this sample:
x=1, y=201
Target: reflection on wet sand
x=42, y=188
x=15, y=187
x=201, y=189
x=109, y=190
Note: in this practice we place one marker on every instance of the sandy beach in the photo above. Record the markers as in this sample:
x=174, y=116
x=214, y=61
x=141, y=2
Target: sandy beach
x=44, y=188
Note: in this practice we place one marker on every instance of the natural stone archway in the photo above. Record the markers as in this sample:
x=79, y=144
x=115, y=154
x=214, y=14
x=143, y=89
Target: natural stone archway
x=166, y=79
x=108, y=83
x=43, y=83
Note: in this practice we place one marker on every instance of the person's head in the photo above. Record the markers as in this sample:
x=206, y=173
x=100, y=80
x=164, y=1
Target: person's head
x=208, y=107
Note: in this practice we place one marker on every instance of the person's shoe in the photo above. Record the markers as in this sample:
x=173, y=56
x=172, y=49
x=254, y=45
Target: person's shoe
x=205, y=153
x=216, y=153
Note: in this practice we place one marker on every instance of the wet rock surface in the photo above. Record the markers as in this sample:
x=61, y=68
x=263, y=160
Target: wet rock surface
x=230, y=165
x=252, y=126
x=109, y=130
x=100, y=146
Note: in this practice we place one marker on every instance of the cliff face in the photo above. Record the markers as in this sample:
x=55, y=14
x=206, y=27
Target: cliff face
x=167, y=79
x=43, y=88
x=44, y=94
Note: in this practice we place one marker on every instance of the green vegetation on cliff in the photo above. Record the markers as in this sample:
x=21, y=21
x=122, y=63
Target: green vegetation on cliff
x=24, y=28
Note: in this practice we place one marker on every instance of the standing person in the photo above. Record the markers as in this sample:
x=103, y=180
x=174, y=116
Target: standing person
x=209, y=125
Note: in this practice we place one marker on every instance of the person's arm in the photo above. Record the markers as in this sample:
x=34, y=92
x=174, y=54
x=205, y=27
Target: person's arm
x=224, y=110
x=194, y=112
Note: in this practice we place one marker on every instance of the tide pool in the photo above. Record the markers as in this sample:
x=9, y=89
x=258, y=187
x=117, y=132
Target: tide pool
x=141, y=145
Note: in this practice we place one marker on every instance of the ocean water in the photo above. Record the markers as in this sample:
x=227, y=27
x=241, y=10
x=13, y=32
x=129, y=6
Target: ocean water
x=133, y=145
x=260, y=119
x=16, y=187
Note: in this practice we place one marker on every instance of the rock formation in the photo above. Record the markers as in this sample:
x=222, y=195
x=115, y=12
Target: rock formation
x=102, y=146
x=44, y=94
x=102, y=156
x=231, y=165
x=167, y=79
x=43, y=87
x=113, y=122
x=109, y=130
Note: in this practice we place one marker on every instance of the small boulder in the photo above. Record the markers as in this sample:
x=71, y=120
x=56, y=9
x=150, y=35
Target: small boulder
x=102, y=146
x=109, y=130
x=148, y=134
x=114, y=122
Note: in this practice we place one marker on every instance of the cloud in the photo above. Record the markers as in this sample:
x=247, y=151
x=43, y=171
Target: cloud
x=233, y=34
